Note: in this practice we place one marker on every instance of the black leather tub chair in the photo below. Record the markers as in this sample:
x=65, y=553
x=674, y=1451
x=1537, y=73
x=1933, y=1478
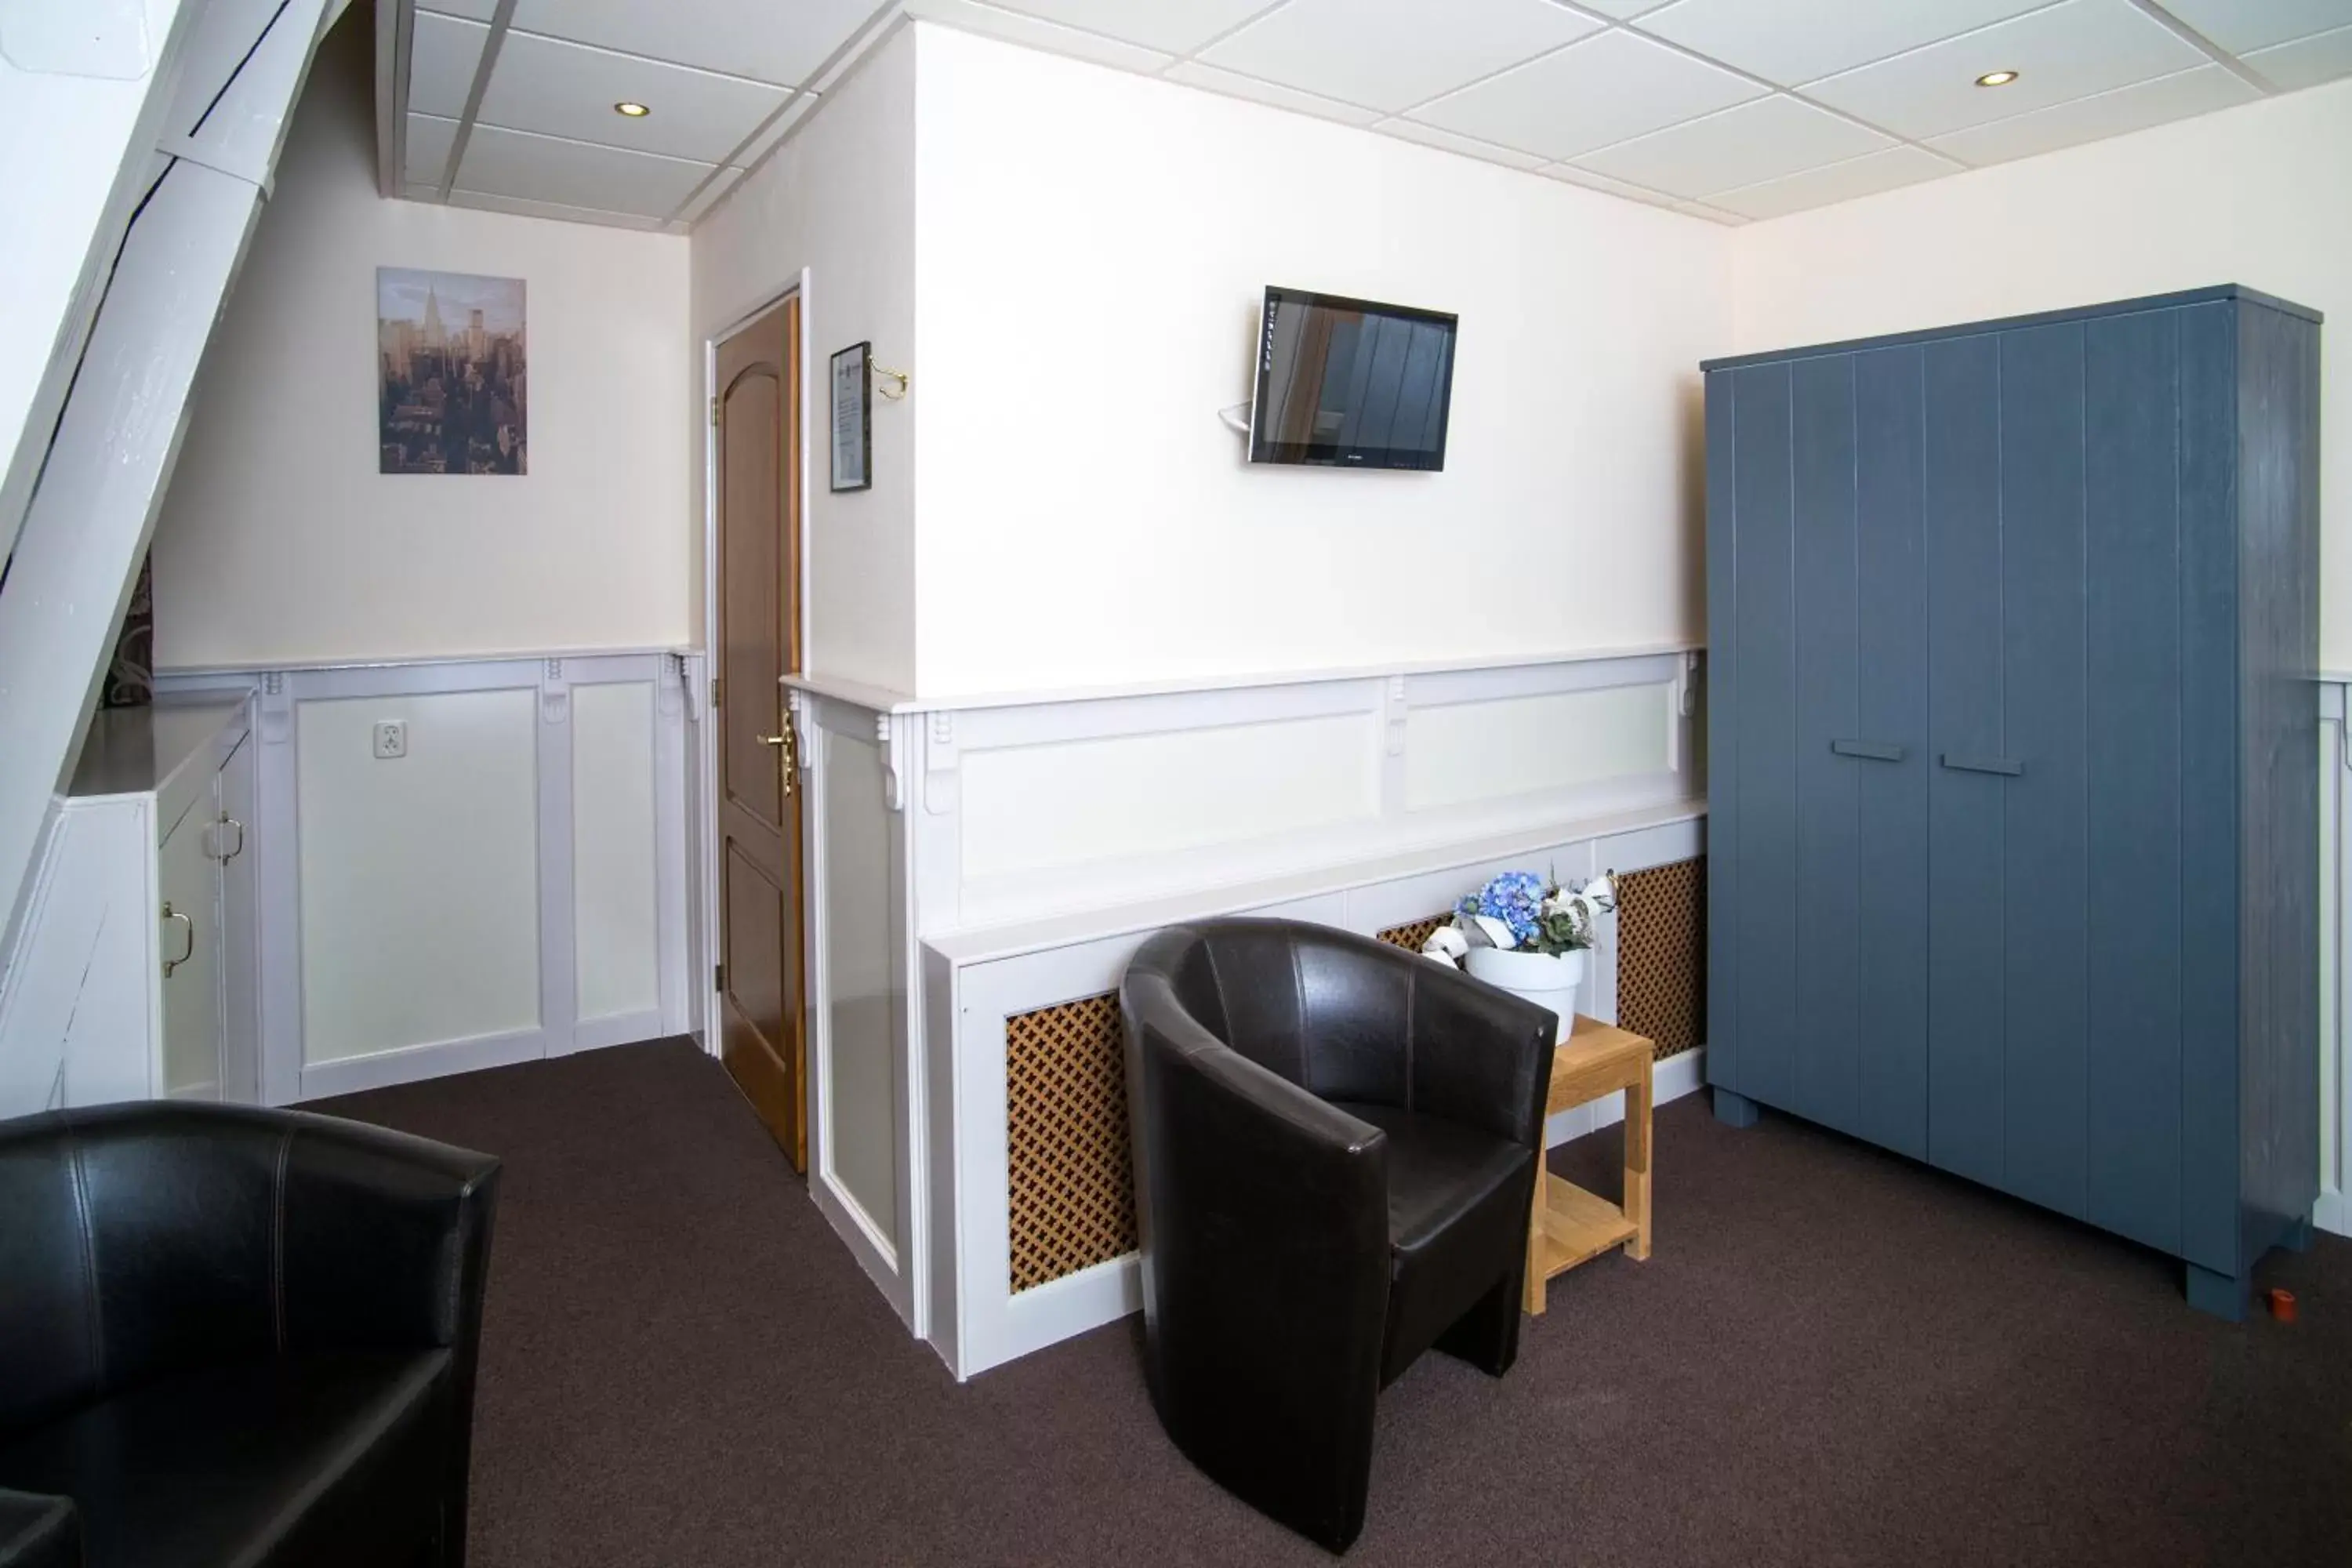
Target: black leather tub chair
x=1336, y=1147
x=232, y=1335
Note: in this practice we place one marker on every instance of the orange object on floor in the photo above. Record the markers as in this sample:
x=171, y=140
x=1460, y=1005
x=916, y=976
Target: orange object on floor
x=2282, y=1306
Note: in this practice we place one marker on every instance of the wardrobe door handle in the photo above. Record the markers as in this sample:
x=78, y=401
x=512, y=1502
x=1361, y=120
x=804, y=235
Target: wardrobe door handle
x=2005, y=766
x=1877, y=751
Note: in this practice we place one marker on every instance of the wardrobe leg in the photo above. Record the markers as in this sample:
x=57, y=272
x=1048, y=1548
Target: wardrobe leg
x=1734, y=1110
x=2298, y=1236
x=2223, y=1295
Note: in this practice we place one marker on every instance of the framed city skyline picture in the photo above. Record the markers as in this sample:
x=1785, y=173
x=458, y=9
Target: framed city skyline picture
x=452, y=387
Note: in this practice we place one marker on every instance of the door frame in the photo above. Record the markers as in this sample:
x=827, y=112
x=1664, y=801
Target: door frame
x=707, y=938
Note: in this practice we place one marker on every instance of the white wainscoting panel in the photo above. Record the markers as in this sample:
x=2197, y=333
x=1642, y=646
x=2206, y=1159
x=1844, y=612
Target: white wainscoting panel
x=419, y=874
x=616, y=896
x=1458, y=752
x=515, y=886
x=1046, y=806
x=862, y=1142
x=1030, y=810
x=968, y=861
x=866, y=1163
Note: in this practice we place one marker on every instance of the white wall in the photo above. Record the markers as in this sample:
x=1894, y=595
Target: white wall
x=2259, y=195
x=280, y=543
x=1094, y=251
x=838, y=200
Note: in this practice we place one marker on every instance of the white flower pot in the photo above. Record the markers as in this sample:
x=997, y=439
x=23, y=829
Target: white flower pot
x=1547, y=980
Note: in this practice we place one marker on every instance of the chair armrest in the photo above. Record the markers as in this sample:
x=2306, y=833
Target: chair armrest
x=1258, y=1203
x=1263, y=1213
x=1481, y=1056
x=385, y=1239
x=38, y=1532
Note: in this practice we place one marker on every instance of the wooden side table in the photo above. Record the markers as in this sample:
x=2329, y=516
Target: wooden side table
x=1569, y=1225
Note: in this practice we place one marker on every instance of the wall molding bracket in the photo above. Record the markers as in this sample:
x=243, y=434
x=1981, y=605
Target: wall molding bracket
x=941, y=765
x=554, y=694
x=894, y=766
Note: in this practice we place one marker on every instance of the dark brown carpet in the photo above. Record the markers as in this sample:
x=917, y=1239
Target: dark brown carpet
x=1834, y=1357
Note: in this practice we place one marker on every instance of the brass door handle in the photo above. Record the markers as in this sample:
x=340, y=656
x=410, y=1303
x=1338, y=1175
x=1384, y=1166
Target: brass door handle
x=186, y=953
x=787, y=761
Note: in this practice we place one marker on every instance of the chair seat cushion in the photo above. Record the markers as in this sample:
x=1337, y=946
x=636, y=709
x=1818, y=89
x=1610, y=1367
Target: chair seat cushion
x=1458, y=1199
x=296, y=1458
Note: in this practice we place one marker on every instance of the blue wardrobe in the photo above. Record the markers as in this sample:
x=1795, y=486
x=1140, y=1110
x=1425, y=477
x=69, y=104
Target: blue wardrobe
x=2014, y=759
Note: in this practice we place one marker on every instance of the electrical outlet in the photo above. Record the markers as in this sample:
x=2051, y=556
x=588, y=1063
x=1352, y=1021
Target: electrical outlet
x=391, y=739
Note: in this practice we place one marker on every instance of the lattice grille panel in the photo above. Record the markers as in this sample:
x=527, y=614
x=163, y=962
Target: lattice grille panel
x=1411, y=936
x=1070, y=1184
x=1662, y=954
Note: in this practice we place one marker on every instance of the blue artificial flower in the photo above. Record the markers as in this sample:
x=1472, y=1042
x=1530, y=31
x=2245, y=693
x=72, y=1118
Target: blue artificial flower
x=1515, y=898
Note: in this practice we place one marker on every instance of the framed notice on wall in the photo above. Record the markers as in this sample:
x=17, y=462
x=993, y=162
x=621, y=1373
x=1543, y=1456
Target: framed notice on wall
x=853, y=419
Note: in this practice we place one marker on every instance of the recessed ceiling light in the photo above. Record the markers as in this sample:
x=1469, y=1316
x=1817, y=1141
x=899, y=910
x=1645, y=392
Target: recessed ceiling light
x=1996, y=78
x=634, y=111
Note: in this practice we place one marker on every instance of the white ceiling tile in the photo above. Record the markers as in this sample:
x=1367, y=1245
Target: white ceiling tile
x=1192, y=73
x=777, y=41
x=442, y=55
x=1013, y=28
x=1393, y=54
x=2133, y=108
x=1178, y=26
x=1608, y=88
x=503, y=163
x=475, y=10
x=429, y=138
x=2306, y=62
x=2242, y=27
x=569, y=90
x=2068, y=51
x=1568, y=174
x=1469, y=146
x=520, y=206
x=1795, y=41
x=1759, y=141
x=1864, y=176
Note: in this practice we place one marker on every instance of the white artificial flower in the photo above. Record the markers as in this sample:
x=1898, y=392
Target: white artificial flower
x=1498, y=934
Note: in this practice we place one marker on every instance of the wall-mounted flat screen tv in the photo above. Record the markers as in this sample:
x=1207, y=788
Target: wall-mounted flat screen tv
x=1351, y=385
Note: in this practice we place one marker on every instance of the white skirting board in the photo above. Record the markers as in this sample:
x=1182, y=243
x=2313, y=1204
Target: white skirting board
x=1109, y=1291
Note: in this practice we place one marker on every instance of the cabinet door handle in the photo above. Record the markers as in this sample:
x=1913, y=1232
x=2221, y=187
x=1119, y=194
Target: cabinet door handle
x=2008, y=767
x=233, y=854
x=186, y=953
x=1877, y=751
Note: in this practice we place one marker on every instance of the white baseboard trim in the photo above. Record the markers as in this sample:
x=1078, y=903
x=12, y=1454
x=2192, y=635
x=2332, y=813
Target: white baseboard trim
x=865, y=1240
x=2331, y=1214
x=382, y=1069
x=612, y=1029
x=1065, y=1308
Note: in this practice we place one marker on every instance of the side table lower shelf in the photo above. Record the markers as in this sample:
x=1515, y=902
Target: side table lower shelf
x=1569, y=1225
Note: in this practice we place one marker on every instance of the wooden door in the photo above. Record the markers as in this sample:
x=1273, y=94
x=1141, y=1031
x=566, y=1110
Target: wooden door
x=763, y=1037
